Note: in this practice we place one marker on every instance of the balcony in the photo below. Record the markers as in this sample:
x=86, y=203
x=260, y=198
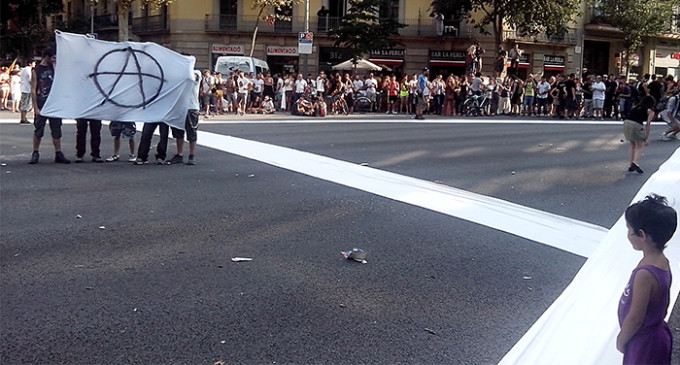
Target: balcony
x=567, y=38
x=150, y=24
x=415, y=27
x=106, y=22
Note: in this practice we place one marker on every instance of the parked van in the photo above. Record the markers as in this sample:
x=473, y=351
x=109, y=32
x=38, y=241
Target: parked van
x=228, y=64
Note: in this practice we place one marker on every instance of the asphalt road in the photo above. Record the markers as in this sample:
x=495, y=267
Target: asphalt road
x=115, y=263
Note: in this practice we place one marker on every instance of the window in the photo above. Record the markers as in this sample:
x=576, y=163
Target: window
x=389, y=9
x=228, y=14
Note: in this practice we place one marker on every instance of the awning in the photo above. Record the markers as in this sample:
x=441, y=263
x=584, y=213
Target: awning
x=553, y=67
x=521, y=65
x=387, y=61
x=447, y=63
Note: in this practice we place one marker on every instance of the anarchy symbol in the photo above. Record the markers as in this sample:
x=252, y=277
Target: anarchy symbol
x=147, y=76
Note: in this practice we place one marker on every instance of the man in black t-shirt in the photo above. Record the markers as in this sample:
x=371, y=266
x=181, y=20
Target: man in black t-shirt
x=41, y=85
x=570, y=90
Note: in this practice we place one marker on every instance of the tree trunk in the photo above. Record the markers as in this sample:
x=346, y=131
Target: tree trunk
x=123, y=26
x=257, y=24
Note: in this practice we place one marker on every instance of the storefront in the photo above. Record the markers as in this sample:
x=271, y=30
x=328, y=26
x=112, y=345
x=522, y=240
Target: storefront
x=282, y=59
x=447, y=63
x=217, y=50
x=393, y=59
x=523, y=67
x=667, y=62
x=553, y=65
x=330, y=56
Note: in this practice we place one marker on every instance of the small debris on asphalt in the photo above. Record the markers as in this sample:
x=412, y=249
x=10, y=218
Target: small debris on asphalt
x=102, y=227
x=89, y=288
x=8, y=172
x=356, y=254
x=342, y=305
x=430, y=331
x=364, y=164
x=79, y=216
x=527, y=277
x=251, y=176
x=512, y=173
x=4, y=164
x=241, y=259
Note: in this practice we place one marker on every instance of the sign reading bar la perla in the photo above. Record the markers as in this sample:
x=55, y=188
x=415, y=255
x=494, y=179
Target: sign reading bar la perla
x=388, y=53
x=235, y=49
x=447, y=55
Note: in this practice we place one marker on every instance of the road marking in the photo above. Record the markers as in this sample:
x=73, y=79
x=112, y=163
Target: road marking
x=564, y=233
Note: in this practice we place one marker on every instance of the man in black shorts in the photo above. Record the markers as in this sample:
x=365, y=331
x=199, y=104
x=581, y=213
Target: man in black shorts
x=118, y=130
x=190, y=126
x=41, y=84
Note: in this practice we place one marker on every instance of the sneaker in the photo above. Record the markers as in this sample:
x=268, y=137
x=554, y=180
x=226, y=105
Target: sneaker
x=97, y=159
x=191, y=160
x=35, y=156
x=665, y=137
x=160, y=161
x=77, y=160
x=132, y=158
x=175, y=159
x=24, y=122
x=139, y=161
x=59, y=158
x=112, y=158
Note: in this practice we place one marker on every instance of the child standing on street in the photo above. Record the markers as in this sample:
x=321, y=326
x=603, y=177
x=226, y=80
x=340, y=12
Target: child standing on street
x=645, y=337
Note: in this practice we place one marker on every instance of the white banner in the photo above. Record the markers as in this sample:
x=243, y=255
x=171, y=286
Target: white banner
x=581, y=326
x=128, y=81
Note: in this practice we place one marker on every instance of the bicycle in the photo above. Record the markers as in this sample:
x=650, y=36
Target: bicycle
x=339, y=104
x=475, y=105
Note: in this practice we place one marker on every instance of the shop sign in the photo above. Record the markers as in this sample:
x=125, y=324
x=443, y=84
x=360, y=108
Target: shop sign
x=554, y=60
x=282, y=51
x=447, y=55
x=389, y=53
x=675, y=56
x=233, y=49
x=334, y=55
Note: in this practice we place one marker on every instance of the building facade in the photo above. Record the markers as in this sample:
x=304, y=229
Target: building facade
x=208, y=29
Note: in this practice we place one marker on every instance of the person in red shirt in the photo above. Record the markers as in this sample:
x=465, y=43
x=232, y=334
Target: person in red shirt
x=392, y=95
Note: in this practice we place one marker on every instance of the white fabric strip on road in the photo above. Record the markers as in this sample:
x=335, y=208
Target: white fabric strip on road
x=563, y=233
x=581, y=326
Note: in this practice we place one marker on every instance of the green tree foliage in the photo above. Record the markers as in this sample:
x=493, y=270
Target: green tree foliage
x=23, y=25
x=362, y=31
x=525, y=16
x=637, y=19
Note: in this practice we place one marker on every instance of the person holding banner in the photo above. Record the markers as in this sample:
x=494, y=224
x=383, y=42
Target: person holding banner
x=41, y=85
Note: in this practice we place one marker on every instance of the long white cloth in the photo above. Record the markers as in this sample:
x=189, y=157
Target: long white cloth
x=127, y=81
x=581, y=326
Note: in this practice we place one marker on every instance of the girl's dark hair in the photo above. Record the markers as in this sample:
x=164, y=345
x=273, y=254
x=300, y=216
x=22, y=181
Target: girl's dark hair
x=653, y=216
x=647, y=102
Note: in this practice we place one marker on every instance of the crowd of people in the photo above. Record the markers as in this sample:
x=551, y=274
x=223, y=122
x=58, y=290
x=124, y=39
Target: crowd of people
x=560, y=96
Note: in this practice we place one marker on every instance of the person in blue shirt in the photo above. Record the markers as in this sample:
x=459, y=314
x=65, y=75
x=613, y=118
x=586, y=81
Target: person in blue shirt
x=422, y=84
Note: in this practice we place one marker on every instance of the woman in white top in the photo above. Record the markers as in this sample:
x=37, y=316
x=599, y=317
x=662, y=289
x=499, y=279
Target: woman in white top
x=438, y=86
x=288, y=85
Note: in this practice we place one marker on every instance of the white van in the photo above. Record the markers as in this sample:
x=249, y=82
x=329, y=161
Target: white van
x=228, y=64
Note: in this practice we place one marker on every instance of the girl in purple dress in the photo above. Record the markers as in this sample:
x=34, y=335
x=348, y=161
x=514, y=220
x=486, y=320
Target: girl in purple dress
x=645, y=337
